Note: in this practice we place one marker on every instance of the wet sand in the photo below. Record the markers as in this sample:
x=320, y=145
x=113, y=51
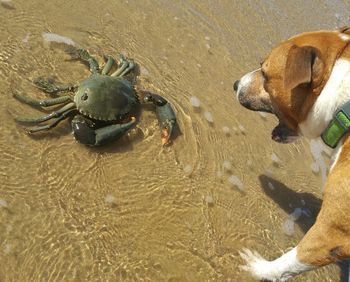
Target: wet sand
x=132, y=210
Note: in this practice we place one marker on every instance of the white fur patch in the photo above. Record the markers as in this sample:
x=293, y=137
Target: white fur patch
x=345, y=37
x=281, y=269
x=245, y=81
x=335, y=93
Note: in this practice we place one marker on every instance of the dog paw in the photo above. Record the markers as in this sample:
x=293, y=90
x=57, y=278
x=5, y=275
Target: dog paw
x=255, y=264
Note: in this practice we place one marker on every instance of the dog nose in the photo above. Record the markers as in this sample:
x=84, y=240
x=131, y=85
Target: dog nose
x=235, y=85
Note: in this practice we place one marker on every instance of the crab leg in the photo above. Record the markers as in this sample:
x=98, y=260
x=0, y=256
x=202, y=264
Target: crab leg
x=85, y=134
x=82, y=54
x=47, y=86
x=52, y=124
x=42, y=103
x=108, y=65
x=165, y=116
x=129, y=68
x=55, y=114
x=124, y=66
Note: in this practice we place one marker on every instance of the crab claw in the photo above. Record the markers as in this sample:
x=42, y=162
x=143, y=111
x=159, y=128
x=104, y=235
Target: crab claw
x=85, y=132
x=166, y=132
x=165, y=115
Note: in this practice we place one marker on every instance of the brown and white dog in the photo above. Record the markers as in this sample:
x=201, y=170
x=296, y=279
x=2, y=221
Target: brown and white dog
x=304, y=81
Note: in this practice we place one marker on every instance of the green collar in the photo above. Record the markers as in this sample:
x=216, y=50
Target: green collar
x=339, y=125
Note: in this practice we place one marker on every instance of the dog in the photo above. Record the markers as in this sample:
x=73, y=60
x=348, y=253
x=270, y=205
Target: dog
x=305, y=82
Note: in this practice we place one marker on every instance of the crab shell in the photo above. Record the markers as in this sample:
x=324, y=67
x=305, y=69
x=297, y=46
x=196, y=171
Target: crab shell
x=105, y=98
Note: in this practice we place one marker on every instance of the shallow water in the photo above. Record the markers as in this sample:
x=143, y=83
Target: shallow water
x=132, y=210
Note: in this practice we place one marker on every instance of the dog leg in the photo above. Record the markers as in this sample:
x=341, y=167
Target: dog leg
x=326, y=242
x=281, y=269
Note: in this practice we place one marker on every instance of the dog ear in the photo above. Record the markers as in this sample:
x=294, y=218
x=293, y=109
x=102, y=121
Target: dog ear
x=301, y=62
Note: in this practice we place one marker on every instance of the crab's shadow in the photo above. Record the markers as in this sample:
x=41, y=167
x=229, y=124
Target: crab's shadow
x=289, y=199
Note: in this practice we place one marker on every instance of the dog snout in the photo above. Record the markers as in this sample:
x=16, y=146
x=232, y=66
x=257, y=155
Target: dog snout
x=235, y=85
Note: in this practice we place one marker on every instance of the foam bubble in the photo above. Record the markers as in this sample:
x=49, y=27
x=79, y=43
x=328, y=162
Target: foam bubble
x=269, y=173
x=227, y=165
x=188, y=170
x=236, y=182
x=226, y=130
x=144, y=71
x=209, y=117
x=270, y=185
x=110, y=199
x=7, y=4
x=53, y=37
x=296, y=214
x=288, y=227
x=316, y=148
x=26, y=38
x=209, y=200
x=250, y=164
x=275, y=159
x=7, y=248
x=263, y=115
x=3, y=203
x=315, y=168
x=195, y=102
x=242, y=128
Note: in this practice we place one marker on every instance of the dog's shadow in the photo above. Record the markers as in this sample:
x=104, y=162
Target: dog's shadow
x=288, y=200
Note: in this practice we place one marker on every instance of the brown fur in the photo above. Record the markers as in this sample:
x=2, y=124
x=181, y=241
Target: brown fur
x=329, y=238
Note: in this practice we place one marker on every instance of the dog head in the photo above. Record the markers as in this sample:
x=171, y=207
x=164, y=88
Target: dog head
x=291, y=78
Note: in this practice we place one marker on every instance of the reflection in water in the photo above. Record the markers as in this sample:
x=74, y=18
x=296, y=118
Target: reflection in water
x=133, y=210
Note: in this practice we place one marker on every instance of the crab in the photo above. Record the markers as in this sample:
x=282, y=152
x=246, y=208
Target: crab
x=101, y=105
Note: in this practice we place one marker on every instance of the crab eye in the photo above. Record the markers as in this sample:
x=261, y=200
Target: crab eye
x=85, y=96
x=148, y=98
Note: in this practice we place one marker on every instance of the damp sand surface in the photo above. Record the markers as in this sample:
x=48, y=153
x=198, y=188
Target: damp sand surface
x=132, y=210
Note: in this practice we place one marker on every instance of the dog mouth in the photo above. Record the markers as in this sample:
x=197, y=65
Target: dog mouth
x=262, y=103
x=283, y=134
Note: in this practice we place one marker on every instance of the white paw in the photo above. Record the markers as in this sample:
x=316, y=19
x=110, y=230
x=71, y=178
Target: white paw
x=255, y=264
x=280, y=269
